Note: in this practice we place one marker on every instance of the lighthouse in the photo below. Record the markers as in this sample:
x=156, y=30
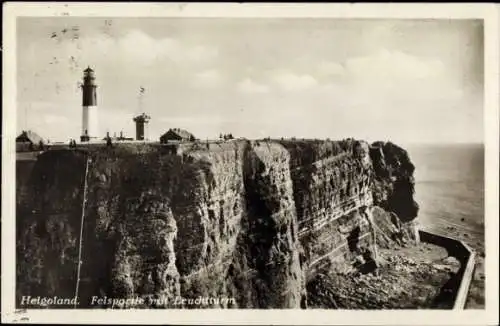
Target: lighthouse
x=89, y=106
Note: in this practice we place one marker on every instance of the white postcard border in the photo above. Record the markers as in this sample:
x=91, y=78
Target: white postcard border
x=488, y=12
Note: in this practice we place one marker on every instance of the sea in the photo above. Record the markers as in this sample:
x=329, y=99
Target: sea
x=449, y=189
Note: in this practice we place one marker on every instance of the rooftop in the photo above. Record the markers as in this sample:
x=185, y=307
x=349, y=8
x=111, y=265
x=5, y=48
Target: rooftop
x=28, y=135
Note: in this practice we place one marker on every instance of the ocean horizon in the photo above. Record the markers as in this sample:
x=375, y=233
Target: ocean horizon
x=449, y=188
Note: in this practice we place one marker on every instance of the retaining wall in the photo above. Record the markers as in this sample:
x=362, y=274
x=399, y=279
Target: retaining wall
x=464, y=254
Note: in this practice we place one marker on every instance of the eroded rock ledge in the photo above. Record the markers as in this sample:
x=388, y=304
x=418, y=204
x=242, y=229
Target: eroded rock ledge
x=249, y=220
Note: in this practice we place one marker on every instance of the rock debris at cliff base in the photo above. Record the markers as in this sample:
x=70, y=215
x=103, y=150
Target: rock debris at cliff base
x=416, y=277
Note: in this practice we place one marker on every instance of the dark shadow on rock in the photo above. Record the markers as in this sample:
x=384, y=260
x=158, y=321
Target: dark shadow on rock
x=370, y=265
x=447, y=293
x=353, y=239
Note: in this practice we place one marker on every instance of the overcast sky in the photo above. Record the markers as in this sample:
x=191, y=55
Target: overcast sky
x=405, y=81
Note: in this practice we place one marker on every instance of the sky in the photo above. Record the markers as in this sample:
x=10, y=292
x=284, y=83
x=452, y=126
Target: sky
x=407, y=81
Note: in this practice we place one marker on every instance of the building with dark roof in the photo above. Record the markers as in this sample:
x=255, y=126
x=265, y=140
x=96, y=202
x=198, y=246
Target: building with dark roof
x=177, y=134
x=29, y=136
x=28, y=141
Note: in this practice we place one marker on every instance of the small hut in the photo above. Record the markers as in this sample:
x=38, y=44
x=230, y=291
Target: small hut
x=28, y=141
x=177, y=134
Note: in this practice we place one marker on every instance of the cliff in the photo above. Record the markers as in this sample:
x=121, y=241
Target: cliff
x=249, y=220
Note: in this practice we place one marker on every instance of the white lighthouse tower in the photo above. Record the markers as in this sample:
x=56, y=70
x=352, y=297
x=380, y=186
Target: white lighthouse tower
x=89, y=106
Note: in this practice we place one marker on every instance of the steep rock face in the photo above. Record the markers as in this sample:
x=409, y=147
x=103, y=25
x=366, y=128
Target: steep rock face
x=332, y=194
x=209, y=212
x=270, y=234
x=24, y=169
x=48, y=230
x=138, y=207
x=393, y=189
x=203, y=191
x=130, y=222
x=245, y=220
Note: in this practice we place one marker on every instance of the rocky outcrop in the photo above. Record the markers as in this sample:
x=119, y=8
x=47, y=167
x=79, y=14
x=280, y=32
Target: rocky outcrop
x=393, y=189
x=250, y=221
